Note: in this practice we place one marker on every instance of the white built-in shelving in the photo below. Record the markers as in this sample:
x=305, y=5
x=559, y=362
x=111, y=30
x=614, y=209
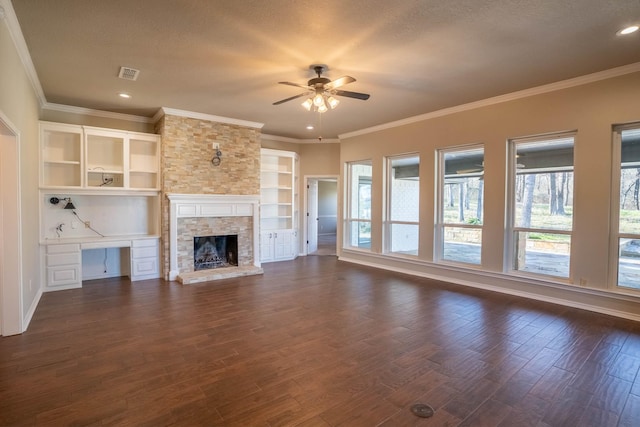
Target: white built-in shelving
x=278, y=205
x=113, y=178
x=74, y=156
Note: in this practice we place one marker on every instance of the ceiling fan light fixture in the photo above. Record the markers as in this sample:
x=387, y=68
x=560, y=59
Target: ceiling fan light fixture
x=318, y=100
x=333, y=102
x=628, y=30
x=307, y=104
x=323, y=108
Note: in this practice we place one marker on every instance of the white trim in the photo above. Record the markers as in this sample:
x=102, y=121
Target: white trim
x=305, y=231
x=95, y=113
x=378, y=261
x=300, y=141
x=16, y=300
x=208, y=117
x=29, y=315
x=15, y=32
x=552, y=87
x=210, y=206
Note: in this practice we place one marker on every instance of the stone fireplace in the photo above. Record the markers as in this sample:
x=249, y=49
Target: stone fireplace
x=205, y=216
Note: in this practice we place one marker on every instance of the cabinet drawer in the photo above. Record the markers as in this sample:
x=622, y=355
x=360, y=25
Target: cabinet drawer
x=59, y=249
x=150, y=252
x=63, y=259
x=66, y=275
x=144, y=243
x=145, y=267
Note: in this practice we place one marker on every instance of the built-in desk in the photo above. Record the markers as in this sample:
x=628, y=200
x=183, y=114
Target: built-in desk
x=63, y=258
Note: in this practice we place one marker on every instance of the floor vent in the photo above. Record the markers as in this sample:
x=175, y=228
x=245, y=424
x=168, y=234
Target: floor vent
x=128, y=73
x=422, y=410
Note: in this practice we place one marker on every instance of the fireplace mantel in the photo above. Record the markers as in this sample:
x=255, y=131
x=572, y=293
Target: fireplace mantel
x=210, y=206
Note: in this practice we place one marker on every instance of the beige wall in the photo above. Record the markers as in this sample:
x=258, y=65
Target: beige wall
x=591, y=109
x=19, y=104
x=319, y=159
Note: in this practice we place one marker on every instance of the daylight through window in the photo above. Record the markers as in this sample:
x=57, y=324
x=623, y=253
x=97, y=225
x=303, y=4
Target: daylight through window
x=403, y=205
x=542, y=204
x=460, y=205
x=358, y=223
x=627, y=157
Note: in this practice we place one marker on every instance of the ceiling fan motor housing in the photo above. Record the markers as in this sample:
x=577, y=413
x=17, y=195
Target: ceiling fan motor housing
x=318, y=82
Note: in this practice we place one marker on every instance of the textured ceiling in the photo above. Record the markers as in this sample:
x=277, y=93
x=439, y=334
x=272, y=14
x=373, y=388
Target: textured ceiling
x=225, y=57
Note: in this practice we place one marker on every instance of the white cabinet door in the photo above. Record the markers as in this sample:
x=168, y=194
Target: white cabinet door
x=266, y=246
x=283, y=244
x=63, y=265
x=278, y=245
x=145, y=259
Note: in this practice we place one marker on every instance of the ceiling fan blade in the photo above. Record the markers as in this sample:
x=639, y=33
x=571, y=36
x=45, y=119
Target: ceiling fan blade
x=294, y=84
x=356, y=95
x=290, y=98
x=340, y=81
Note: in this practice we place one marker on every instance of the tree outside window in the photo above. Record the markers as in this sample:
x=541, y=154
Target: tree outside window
x=460, y=205
x=542, y=204
x=627, y=180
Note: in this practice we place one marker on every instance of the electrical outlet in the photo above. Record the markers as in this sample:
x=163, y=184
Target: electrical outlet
x=583, y=282
x=215, y=146
x=87, y=224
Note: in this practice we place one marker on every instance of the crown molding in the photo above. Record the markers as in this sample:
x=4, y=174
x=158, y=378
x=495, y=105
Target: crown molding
x=8, y=15
x=95, y=113
x=299, y=141
x=552, y=87
x=202, y=116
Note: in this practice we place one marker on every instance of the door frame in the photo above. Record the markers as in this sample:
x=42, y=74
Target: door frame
x=305, y=221
x=11, y=310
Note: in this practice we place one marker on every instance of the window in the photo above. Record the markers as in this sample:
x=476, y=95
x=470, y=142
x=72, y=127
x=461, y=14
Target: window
x=358, y=223
x=541, y=204
x=460, y=205
x=626, y=183
x=403, y=205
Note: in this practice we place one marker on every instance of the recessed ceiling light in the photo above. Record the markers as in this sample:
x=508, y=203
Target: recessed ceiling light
x=124, y=95
x=628, y=30
x=309, y=127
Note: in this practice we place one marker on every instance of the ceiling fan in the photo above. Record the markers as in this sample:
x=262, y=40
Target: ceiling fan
x=321, y=91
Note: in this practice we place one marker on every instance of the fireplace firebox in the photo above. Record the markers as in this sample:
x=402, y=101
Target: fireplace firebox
x=215, y=252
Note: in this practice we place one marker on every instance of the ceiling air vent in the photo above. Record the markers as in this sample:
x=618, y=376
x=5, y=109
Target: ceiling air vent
x=128, y=73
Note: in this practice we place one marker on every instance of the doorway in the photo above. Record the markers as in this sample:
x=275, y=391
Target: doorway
x=322, y=215
x=10, y=241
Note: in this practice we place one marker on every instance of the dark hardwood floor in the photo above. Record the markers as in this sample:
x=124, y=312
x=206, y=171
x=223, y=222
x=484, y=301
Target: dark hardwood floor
x=316, y=342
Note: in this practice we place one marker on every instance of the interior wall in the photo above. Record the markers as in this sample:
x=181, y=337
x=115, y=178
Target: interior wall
x=590, y=109
x=19, y=102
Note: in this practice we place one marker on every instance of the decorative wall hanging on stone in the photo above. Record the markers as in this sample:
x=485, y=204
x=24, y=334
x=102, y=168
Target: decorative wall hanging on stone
x=216, y=159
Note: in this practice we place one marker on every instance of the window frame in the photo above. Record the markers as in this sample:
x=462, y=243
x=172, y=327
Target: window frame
x=510, y=254
x=615, y=234
x=439, y=222
x=349, y=218
x=388, y=222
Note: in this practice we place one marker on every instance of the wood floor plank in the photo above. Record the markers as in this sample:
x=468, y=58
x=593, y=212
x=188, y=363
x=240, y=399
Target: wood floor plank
x=320, y=343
